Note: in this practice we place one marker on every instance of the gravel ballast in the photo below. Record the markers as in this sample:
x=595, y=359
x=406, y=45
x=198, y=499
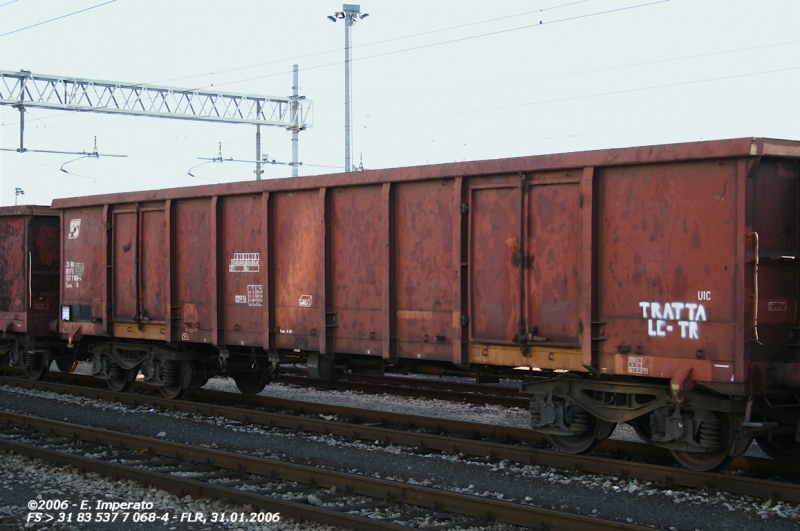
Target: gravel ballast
x=24, y=481
x=601, y=496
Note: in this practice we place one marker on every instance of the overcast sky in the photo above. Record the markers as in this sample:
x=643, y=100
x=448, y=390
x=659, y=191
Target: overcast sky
x=433, y=82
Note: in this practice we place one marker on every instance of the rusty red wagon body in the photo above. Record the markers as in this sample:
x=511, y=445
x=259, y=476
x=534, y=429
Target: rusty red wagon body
x=661, y=283
x=29, y=302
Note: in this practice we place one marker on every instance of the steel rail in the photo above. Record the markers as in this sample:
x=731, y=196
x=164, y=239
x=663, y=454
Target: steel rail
x=396, y=492
x=377, y=426
x=404, y=390
x=416, y=387
x=428, y=380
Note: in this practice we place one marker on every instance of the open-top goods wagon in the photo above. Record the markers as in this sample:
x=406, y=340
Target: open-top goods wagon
x=656, y=286
x=29, y=272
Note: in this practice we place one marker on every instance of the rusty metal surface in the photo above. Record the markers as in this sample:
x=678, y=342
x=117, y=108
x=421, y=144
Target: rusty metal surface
x=191, y=269
x=29, y=269
x=13, y=259
x=494, y=243
x=772, y=212
x=45, y=270
x=424, y=269
x=740, y=147
x=634, y=262
x=84, y=278
x=241, y=225
x=299, y=225
x=666, y=239
x=553, y=249
x=356, y=267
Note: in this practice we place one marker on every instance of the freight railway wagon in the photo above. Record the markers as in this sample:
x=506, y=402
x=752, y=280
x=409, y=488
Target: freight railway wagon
x=656, y=286
x=29, y=272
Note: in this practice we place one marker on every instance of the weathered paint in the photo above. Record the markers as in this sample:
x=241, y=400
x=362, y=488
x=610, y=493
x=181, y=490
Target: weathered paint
x=631, y=261
x=545, y=358
x=29, y=269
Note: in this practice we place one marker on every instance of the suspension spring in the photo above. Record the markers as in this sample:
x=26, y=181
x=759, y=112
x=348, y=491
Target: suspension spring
x=580, y=422
x=32, y=360
x=168, y=373
x=536, y=415
x=114, y=371
x=710, y=433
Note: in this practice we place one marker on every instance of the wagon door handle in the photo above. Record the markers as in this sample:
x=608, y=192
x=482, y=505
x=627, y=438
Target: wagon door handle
x=30, y=279
x=755, y=288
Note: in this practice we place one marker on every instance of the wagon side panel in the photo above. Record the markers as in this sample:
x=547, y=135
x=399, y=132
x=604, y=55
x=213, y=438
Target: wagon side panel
x=193, y=287
x=84, y=270
x=424, y=273
x=356, y=233
x=13, y=289
x=243, y=270
x=771, y=320
x=494, y=263
x=666, y=269
x=44, y=272
x=554, y=268
x=298, y=235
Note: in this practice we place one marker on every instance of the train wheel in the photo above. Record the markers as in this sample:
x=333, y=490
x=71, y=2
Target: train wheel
x=199, y=378
x=179, y=376
x=37, y=364
x=322, y=367
x=721, y=431
x=782, y=447
x=121, y=379
x=251, y=383
x=173, y=392
x=66, y=365
x=596, y=430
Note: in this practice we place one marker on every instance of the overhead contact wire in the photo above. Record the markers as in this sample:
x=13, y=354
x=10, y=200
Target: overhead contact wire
x=57, y=18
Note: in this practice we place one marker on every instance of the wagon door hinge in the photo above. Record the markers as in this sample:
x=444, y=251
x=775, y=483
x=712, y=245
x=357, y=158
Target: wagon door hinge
x=464, y=208
x=522, y=338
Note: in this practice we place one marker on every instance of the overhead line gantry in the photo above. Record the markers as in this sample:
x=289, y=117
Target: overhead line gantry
x=24, y=89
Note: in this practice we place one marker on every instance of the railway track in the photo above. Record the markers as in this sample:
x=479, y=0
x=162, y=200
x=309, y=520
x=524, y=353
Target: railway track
x=294, y=491
x=748, y=475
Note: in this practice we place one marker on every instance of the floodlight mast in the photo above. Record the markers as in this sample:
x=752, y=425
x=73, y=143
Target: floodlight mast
x=350, y=13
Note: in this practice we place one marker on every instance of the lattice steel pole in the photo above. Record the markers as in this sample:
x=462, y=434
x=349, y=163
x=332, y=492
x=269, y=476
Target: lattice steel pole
x=295, y=129
x=259, y=171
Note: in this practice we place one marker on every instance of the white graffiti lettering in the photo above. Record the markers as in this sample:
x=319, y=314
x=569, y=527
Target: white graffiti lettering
x=660, y=316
